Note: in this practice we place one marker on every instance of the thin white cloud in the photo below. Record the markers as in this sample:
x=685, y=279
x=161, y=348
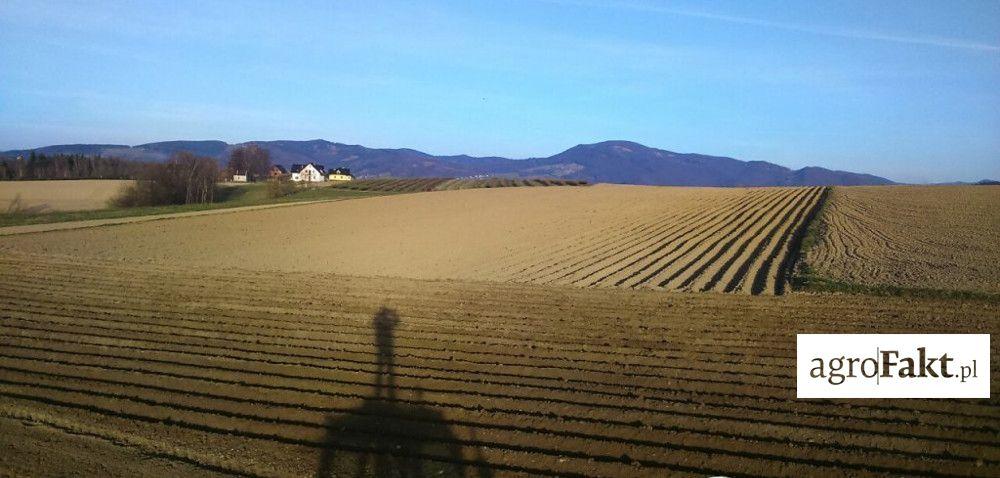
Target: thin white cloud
x=797, y=27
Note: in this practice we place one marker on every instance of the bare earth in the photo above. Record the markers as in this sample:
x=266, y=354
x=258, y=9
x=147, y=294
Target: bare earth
x=74, y=195
x=247, y=343
x=733, y=240
x=937, y=237
x=305, y=374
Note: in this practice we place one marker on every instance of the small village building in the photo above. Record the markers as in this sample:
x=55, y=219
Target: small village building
x=309, y=173
x=241, y=177
x=277, y=171
x=340, y=174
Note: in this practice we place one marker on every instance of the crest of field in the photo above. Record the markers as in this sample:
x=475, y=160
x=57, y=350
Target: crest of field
x=697, y=239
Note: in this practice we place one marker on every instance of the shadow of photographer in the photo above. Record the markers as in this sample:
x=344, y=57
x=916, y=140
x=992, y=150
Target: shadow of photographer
x=390, y=437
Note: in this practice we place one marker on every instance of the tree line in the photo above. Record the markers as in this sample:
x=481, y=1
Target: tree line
x=68, y=166
x=189, y=179
x=251, y=160
x=184, y=178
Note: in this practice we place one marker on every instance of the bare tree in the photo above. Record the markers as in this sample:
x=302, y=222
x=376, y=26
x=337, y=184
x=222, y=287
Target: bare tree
x=249, y=159
x=184, y=179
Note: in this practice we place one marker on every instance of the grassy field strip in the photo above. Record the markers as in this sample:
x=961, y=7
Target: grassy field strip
x=67, y=225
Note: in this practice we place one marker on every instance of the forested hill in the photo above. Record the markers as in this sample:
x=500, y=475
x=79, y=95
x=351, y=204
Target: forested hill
x=610, y=162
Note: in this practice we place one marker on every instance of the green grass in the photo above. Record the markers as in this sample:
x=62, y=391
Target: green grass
x=816, y=283
x=228, y=197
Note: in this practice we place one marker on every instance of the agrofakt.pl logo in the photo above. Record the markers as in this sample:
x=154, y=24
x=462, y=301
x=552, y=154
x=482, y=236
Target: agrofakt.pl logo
x=893, y=366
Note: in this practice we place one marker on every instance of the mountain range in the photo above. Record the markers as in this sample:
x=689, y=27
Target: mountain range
x=622, y=162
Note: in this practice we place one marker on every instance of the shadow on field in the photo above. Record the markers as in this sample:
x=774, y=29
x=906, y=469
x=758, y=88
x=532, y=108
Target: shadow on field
x=390, y=437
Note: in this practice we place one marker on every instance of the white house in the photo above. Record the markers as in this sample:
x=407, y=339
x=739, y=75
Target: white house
x=310, y=173
x=241, y=177
x=341, y=174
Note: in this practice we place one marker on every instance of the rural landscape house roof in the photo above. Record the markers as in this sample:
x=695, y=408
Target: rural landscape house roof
x=298, y=167
x=344, y=171
x=280, y=168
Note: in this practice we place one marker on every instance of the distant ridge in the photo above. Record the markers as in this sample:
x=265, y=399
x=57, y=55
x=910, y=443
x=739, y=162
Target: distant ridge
x=622, y=162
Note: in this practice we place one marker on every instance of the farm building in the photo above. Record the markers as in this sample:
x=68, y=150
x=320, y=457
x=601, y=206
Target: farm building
x=341, y=174
x=277, y=171
x=310, y=172
x=241, y=177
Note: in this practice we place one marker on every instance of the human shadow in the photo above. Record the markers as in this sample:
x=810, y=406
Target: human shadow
x=389, y=436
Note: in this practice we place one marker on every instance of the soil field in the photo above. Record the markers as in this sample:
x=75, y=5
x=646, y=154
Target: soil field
x=304, y=374
x=70, y=195
x=409, y=185
x=693, y=239
x=933, y=237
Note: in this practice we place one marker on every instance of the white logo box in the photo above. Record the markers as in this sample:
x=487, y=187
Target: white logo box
x=893, y=365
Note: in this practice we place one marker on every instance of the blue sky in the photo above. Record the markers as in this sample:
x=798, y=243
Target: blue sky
x=907, y=90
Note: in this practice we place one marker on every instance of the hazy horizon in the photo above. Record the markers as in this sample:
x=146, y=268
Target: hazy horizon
x=901, y=90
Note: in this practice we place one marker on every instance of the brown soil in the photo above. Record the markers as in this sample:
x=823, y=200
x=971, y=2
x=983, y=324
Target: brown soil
x=36, y=445
x=74, y=195
x=698, y=239
x=935, y=237
x=313, y=374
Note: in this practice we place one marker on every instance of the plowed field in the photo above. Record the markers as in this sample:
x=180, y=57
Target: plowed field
x=930, y=237
x=737, y=244
x=305, y=374
x=410, y=185
x=691, y=239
